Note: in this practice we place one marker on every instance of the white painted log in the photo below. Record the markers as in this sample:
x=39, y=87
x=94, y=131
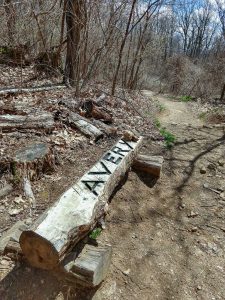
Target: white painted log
x=38, y=121
x=91, y=266
x=6, y=190
x=85, y=126
x=149, y=164
x=78, y=209
x=31, y=89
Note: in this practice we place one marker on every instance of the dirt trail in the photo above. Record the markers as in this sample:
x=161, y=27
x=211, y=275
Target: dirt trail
x=175, y=111
x=168, y=235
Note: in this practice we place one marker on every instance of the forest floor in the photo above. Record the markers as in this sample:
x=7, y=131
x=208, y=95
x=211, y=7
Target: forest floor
x=167, y=235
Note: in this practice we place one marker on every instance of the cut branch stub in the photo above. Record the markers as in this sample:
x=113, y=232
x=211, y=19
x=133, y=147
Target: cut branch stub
x=33, y=160
x=78, y=209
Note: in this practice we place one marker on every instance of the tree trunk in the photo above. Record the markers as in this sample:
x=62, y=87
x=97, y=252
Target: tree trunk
x=222, y=93
x=75, y=20
x=11, y=21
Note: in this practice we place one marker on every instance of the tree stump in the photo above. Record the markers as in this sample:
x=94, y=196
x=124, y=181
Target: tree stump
x=33, y=161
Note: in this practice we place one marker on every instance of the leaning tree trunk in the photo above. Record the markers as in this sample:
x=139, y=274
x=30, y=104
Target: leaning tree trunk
x=222, y=93
x=75, y=20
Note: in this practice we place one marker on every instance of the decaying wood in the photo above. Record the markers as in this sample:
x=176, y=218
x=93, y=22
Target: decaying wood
x=100, y=99
x=89, y=109
x=34, y=160
x=6, y=190
x=37, y=121
x=108, y=130
x=91, y=266
x=149, y=164
x=78, y=209
x=31, y=89
x=9, y=242
x=70, y=103
x=85, y=126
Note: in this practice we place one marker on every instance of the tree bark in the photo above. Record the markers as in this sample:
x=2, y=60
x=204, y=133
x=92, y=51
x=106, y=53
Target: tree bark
x=86, y=127
x=43, y=121
x=75, y=20
x=222, y=93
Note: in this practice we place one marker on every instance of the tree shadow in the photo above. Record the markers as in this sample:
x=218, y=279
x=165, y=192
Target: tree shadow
x=148, y=179
x=190, y=168
x=27, y=283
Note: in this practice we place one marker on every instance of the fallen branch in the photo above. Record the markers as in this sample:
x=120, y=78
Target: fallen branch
x=78, y=209
x=85, y=126
x=108, y=130
x=37, y=121
x=7, y=91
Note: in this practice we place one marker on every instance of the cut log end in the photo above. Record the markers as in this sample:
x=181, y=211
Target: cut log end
x=91, y=266
x=38, y=251
x=149, y=164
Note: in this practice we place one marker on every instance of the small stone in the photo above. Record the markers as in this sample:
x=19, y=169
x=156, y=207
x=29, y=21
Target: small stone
x=202, y=170
x=211, y=166
x=182, y=206
x=127, y=272
x=221, y=163
x=14, y=212
x=192, y=214
x=19, y=200
x=194, y=229
x=5, y=262
x=199, y=288
x=28, y=221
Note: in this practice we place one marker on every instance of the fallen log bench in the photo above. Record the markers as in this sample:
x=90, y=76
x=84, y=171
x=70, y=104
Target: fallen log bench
x=90, y=267
x=77, y=211
x=149, y=164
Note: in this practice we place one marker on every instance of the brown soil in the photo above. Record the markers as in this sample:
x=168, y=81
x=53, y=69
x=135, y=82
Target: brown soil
x=167, y=235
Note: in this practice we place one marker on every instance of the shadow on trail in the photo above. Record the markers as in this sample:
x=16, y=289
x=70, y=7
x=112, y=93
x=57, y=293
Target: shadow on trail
x=190, y=168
